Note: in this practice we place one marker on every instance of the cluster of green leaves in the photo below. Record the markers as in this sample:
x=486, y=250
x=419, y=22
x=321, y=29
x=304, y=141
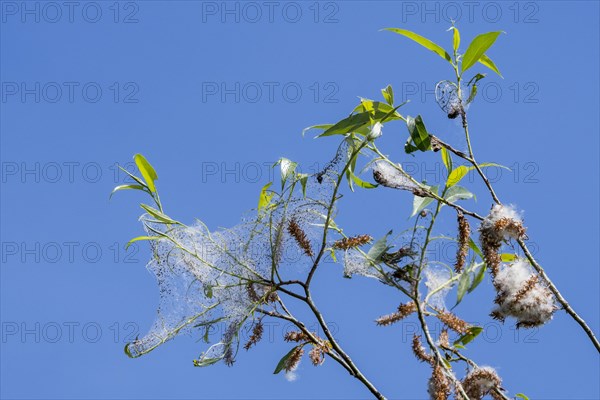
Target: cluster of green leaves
x=147, y=184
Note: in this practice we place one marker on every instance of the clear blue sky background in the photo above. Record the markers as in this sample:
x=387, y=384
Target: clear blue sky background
x=541, y=120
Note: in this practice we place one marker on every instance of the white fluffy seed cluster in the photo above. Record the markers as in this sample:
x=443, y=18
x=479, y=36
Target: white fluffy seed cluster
x=503, y=223
x=480, y=382
x=522, y=296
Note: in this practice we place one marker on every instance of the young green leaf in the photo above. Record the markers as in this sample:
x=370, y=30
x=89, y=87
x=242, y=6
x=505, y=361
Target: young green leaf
x=473, y=246
x=457, y=174
x=347, y=125
x=418, y=133
x=455, y=193
x=360, y=182
x=158, y=214
x=447, y=159
x=463, y=285
x=477, y=48
x=265, y=196
x=147, y=171
x=388, y=95
x=139, y=238
x=126, y=187
x=455, y=38
x=419, y=203
x=485, y=60
x=461, y=171
x=479, y=275
x=521, y=396
x=468, y=337
x=428, y=44
x=322, y=126
x=380, y=247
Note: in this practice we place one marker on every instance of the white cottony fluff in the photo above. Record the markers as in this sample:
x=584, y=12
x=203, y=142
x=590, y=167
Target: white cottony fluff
x=522, y=296
x=291, y=376
x=391, y=176
x=355, y=263
x=435, y=278
x=503, y=231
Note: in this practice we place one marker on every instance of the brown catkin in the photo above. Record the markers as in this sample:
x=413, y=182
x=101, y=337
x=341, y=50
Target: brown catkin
x=444, y=340
x=453, y=322
x=404, y=310
x=300, y=236
x=464, y=232
x=257, y=333
x=439, y=387
x=352, y=242
x=294, y=359
x=317, y=356
x=419, y=350
x=295, y=336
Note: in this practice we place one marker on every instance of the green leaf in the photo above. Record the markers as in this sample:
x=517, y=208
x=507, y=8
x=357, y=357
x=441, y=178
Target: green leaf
x=475, y=248
x=472, y=94
x=457, y=174
x=388, y=94
x=360, y=182
x=322, y=126
x=378, y=111
x=463, y=285
x=126, y=187
x=350, y=124
x=477, y=48
x=147, y=171
x=379, y=248
x=428, y=44
x=418, y=133
x=447, y=159
x=455, y=193
x=521, y=396
x=419, y=203
x=265, y=196
x=507, y=257
x=303, y=179
x=468, y=337
x=140, y=238
x=485, y=60
x=478, y=278
x=455, y=38
x=158, y=214
x=461, y=171
x=283, y=360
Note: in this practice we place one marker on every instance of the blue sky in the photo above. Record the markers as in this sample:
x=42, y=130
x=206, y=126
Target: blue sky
x=212, y=93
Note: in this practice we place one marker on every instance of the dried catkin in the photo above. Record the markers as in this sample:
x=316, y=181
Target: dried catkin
x=300, y=236
x=257, y=332
x=352, y=242
x=419, y=351
x=464, y=232
x=453, y=322
x=295, y=336
x=439, y=387
x=404, y=310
